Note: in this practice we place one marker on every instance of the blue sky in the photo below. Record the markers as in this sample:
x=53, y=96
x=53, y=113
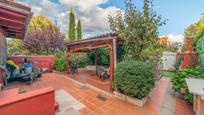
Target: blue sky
x=180, y=13
x=93, y=13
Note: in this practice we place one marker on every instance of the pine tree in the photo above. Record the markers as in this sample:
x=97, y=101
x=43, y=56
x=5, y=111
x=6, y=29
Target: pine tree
x=79, y=30
x=72, y=33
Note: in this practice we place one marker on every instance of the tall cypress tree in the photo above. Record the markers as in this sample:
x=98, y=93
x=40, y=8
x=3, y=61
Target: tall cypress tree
x=79, y=30
x=72, y=33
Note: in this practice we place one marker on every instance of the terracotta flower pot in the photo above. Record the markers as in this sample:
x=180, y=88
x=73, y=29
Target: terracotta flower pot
x=182, y=90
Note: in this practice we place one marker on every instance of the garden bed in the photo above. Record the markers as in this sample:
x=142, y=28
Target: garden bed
x=131, y=100
x=135, y=80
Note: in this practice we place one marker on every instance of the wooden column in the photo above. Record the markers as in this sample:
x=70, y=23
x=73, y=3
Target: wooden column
x=3, y=53
x=115, y=52
x=111, y=64
x=68, y=60
x=96, y=57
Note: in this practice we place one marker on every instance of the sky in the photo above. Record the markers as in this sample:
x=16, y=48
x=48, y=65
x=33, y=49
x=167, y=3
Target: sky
x=93, y=13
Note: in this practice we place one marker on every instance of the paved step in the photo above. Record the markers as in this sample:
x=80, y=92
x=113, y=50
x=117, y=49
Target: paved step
x=67, y=105
x=68, y=111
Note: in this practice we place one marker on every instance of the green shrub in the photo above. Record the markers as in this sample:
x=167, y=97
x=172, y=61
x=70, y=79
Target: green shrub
x=103, y=56
x=178, y=80
x=134, y=79
x=80, y=59
x=60, y=63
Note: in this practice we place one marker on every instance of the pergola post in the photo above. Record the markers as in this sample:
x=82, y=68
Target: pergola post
x=111, y=65
x=96, y=57
x=115, y=52
x=68, y=60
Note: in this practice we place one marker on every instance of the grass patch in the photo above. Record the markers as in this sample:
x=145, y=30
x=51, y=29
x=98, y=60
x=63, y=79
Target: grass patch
x=168, y=74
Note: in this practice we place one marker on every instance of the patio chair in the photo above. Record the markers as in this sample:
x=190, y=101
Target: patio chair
x=74, y=69
x=105, y=75
x=99, y=72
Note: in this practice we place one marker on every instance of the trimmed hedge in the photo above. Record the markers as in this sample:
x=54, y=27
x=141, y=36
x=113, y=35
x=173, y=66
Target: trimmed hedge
x=134, y=79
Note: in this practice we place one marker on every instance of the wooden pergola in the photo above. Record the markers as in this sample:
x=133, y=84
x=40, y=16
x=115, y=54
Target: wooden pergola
x=86, y=45
x=14, y=18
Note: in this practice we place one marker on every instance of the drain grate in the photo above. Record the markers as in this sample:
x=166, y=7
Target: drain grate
x=84, y=87
x=22, y=91
x=102, y=98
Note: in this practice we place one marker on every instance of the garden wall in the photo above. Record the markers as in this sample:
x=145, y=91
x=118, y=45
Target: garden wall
x=169, y=60
x=45, y=62
x=188, y=59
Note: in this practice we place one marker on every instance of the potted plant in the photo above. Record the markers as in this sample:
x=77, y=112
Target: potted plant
x=133, y=82
x=182, y=90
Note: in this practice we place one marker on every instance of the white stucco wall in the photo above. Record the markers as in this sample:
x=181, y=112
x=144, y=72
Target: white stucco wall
x=169, y=60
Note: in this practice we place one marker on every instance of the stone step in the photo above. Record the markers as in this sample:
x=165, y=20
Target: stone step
x=68, y=111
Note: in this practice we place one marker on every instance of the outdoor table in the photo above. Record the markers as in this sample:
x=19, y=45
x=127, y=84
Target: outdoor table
x=107, y=70
x=91, y=68
x=196, y=87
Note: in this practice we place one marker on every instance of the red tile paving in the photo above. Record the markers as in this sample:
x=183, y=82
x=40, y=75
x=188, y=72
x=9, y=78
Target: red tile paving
x=182, y=108
x=95, y=106
x=90, y=77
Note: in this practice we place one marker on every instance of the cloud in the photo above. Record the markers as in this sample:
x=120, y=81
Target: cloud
x=176, y=38
x=93, y=17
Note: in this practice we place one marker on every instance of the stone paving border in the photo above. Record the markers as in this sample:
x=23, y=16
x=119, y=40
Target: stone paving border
x=169, y=102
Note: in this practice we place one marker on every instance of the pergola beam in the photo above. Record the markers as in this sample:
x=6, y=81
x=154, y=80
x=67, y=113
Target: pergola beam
x=11, y=21
x=88, y=48
x=13, y=31
x=14, y=36
x=10, y=14
x=9, y=27
x=15, y=7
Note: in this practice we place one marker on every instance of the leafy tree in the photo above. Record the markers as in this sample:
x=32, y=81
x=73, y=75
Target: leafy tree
x=138, y=29
x=42, y=37
x=39, y=23
x=15, y=47
x=72, y=33
x=172, y=48
x=195, y=30
x=103, y=56
x=152, y=54
x=79, y=30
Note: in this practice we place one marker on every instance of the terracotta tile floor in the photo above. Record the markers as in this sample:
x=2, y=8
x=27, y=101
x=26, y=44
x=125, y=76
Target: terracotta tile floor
x=95, y=106
x=182, y=108
x=90, y=77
